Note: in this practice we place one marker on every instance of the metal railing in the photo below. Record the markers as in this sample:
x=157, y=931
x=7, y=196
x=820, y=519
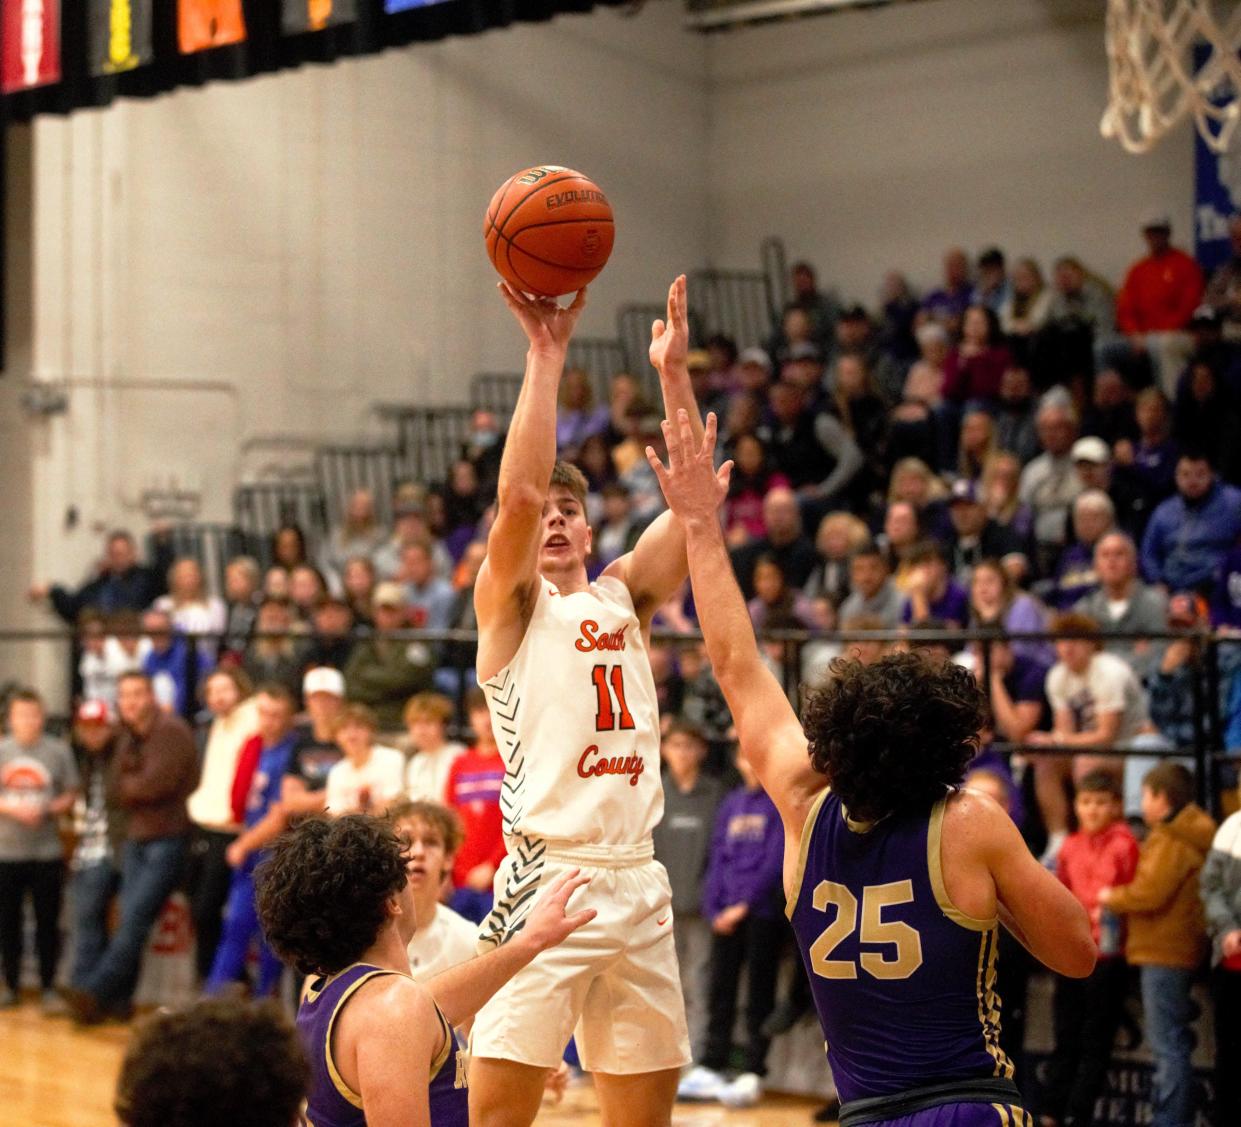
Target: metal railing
x=455, y=650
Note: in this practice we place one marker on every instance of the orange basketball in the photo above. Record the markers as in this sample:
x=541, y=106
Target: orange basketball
x=548, y=230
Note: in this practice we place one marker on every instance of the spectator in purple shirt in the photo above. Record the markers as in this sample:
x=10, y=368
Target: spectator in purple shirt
x=1226, y=605
x=947, y=304
x=742, y=901
x=577, y=417
x=931, y=592
x=1148, y=464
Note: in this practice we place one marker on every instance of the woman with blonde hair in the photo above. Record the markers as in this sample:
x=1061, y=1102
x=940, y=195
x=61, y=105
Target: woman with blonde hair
x=916, y=484
x=838, y=537
x=187, y=603
x=1001, y=477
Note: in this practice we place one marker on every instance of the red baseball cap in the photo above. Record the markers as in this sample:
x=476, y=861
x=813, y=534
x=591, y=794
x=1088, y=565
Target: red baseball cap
x=93, y=712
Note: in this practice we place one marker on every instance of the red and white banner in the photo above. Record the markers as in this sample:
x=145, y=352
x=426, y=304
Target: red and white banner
x=30, y=36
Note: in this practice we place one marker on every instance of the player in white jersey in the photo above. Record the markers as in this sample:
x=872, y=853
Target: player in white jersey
x=564, y=665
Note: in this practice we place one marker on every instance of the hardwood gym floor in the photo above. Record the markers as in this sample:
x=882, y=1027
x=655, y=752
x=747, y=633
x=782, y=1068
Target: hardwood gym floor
x=52, y=1075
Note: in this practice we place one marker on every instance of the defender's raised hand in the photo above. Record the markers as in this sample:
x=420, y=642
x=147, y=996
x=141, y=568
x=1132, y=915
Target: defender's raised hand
x=670, y=338
x=693, y=487
x=547, y=324
x=549, y=922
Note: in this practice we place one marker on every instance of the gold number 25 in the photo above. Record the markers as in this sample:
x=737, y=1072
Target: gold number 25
x=875, y=930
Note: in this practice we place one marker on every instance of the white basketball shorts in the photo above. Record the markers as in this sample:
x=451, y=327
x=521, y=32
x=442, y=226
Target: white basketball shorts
x=613, y=984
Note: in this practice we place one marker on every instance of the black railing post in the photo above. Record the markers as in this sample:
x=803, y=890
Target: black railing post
x=191, y=677
x=1201, y=760
x=1214, y=724
x=792, y=672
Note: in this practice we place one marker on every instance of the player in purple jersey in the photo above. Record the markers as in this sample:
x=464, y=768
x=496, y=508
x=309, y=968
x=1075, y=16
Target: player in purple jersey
x=334, y=900
x=897, y=878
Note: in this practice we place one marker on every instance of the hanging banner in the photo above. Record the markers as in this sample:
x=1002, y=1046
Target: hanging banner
x=394, y=6
x=314, y=15
x=120, y=35
x=30, y=34
x=203, y=24
x=1217, y=185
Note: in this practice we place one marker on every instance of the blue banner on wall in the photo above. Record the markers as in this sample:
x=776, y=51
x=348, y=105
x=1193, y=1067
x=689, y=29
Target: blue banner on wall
x=394, y=6
x=1217, y=189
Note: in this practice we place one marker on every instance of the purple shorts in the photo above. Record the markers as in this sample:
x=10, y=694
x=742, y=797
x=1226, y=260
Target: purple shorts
x=964, y=1115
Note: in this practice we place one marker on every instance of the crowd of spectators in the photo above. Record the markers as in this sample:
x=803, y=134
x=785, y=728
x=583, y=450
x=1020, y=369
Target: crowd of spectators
x=1004, y=455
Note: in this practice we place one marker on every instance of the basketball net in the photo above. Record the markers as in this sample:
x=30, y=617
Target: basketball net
x=1154, y=82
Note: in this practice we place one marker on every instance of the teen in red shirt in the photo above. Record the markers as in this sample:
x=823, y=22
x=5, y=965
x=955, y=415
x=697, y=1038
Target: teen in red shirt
x=473, y=791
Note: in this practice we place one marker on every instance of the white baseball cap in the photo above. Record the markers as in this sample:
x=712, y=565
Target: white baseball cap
x=323, y=679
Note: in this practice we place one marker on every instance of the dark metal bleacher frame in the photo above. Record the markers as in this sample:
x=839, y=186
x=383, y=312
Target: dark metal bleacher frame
x=260, y=508
x=601, y=359
x=429, y=439
x=343, y=468
x=496, y=392
x=211, y=545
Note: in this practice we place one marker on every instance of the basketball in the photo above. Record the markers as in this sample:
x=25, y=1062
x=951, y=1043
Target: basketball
x=548, y=230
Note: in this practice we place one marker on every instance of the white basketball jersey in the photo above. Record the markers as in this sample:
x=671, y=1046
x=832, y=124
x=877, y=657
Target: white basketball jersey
x=577, y=721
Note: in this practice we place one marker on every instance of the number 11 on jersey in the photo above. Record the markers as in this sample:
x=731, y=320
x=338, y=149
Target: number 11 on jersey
x=606, y=719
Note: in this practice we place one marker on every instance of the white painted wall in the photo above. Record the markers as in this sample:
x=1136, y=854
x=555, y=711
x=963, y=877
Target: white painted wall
x=873, y=140
x=17, y=447
x=274, y=256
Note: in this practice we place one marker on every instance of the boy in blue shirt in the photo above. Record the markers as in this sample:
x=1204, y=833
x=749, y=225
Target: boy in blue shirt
x=264, y=819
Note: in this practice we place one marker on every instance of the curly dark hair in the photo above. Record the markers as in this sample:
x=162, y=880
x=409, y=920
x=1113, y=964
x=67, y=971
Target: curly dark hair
x=891, y=736
x=220, y=1061
x=322, y=892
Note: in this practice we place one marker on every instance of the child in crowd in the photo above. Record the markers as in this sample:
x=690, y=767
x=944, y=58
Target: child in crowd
x=743, y=900
x=370, y=777
x=1167, y=933
x=98, y=829
x=443, y=939
x=682, y=841
x=426, y=719
x=263, y=819
x=1103, y=853
x=473, y=791
x=38, y=783
x=1220, y=885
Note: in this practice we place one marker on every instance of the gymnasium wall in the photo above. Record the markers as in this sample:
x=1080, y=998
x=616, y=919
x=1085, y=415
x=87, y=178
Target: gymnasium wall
x=874, y=139
x=226, y=276
x=16, y=438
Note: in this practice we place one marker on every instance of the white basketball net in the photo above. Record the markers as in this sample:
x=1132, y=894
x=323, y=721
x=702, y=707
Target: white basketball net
x=1153, y=81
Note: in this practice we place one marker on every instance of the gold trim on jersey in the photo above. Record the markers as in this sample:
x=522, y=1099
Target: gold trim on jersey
x=450, y=1043
x=807, y=833
x=989, y=1003
x=1013, y=1116
x=934, y=864
x=342, y=1088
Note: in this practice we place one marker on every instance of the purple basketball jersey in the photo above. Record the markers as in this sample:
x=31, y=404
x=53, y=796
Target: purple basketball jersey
x=332, y=1103
x=904, y=983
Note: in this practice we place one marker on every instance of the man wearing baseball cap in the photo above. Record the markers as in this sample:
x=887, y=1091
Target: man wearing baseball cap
x=100, y=830
x=1154, y=307
x=384, y=671
x=303, y=790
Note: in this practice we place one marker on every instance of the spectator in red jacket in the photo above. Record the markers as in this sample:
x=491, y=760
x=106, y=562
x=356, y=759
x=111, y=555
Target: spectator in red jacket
x=473, y=791
x=1154, y=307
x=1103, y=853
